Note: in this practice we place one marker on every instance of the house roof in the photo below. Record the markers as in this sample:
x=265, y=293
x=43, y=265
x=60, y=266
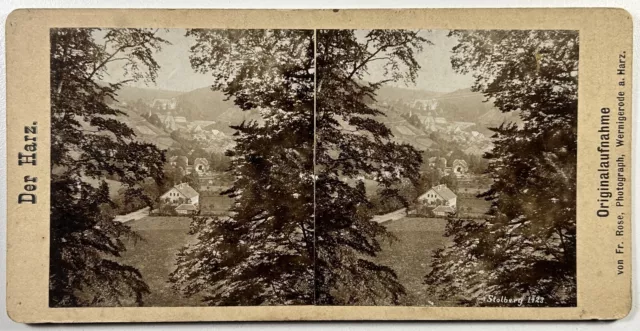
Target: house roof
x=460, y=162
x=445, y=209
x=186, y=190
x=425, y=118
x=443, y=191
x=200, y=160
x=186, y=206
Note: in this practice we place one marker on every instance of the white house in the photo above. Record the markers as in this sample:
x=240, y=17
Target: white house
x=439, y=195
x=181, y=194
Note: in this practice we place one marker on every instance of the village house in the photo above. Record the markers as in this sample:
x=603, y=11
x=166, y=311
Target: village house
x=437, y=162
x=442, y=211
x=460, y=168
x=180, y=120
x=477, y=135
x=168, y=121
x=194, y=128
x=200, y=136
x=439, y=195
x=428, y=122
x=441, y=120
x=181, y=194
x=173, y=160
x=168, y=104
x=201, y=165
x=179, y=161
x=186, y=209
x=425, y=120
x=426, y=104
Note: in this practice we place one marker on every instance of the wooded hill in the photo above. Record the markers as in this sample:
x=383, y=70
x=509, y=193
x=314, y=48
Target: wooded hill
x=206, y=104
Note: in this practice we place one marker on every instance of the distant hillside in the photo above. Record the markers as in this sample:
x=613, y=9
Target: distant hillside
x=199, y=104
x=394, y=93
x=395, y=102
x=464, y=105
x=461, y=105
x=146, y=131
x=403, y=131
x=131, y=94
x=205, y=104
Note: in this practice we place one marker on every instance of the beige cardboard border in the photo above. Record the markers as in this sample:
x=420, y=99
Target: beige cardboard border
x=604, y=34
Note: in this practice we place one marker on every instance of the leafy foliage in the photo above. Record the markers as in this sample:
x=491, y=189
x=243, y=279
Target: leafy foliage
x=88, y=144
x=274, y=253
x=352, y=144
x=527, y=243
x=263, y=253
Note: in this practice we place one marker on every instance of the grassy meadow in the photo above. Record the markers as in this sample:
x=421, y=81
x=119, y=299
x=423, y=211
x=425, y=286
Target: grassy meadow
x=154, y=256
x=410, y=254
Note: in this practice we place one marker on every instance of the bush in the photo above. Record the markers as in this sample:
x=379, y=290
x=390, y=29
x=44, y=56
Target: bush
x=165, y=209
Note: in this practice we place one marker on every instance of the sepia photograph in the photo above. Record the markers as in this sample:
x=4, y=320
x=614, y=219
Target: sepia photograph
x=265, y=167
x=446, y=167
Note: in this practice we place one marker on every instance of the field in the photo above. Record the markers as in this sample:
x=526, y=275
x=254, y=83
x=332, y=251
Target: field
x=410, y=255
x=155, y=256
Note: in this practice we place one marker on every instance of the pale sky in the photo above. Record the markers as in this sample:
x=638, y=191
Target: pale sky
x=176, y=73
x=175, y=69
x=435, y=73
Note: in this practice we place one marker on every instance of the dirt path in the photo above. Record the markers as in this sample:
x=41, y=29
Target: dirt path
x=136, y=215
x=392, y=216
